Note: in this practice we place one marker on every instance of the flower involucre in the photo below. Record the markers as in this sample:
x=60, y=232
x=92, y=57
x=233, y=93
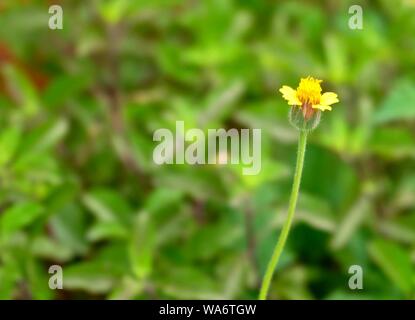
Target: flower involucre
x=308, y=96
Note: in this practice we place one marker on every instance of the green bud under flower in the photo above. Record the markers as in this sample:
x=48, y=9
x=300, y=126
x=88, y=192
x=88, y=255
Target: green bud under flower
x=304, y=122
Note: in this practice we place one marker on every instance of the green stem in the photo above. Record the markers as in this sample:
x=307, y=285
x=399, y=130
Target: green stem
x=302, y=142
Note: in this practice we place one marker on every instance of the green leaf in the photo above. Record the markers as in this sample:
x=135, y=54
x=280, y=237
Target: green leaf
x=113, y=10
x=399, y=104
x=163, y=199
x=108, y=205
x=19, y=216
x=350, y=222
x=64, y=88
x=9, y=276
x=39, y=141
x=393, y=143
x=24, y=89
x=141, y=247
x=38, y=279
x=91, y=277
x=50, y=249
x=400, y=228
x=99, y=274
x=186, y=282
x=106, y=230
x=68, y=225
x=395, y=262
x=9, y=141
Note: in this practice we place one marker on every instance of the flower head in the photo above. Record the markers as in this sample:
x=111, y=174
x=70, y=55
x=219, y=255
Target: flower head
x=308, y=97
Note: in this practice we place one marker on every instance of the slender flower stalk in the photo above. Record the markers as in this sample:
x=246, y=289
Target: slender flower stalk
x=302, y=142
x=307, y=102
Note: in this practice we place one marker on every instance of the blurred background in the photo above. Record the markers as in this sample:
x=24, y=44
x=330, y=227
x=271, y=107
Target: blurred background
x=79, y=189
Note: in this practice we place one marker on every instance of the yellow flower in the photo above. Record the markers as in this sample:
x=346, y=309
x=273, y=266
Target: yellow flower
x=308, y=96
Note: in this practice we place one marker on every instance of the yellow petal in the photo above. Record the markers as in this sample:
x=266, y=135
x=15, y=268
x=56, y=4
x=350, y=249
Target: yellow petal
x=321, y=107
x=290, y=95
x=328, y=98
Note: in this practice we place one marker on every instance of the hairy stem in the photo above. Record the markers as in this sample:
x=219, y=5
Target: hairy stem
x=302, y=142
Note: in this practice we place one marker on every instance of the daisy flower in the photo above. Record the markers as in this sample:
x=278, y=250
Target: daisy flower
x=308, y=97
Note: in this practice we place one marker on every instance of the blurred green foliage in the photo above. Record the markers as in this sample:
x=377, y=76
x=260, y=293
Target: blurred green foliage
x=78, y=186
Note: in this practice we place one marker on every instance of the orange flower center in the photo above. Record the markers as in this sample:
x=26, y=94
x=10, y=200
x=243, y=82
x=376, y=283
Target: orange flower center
x=309, y=91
